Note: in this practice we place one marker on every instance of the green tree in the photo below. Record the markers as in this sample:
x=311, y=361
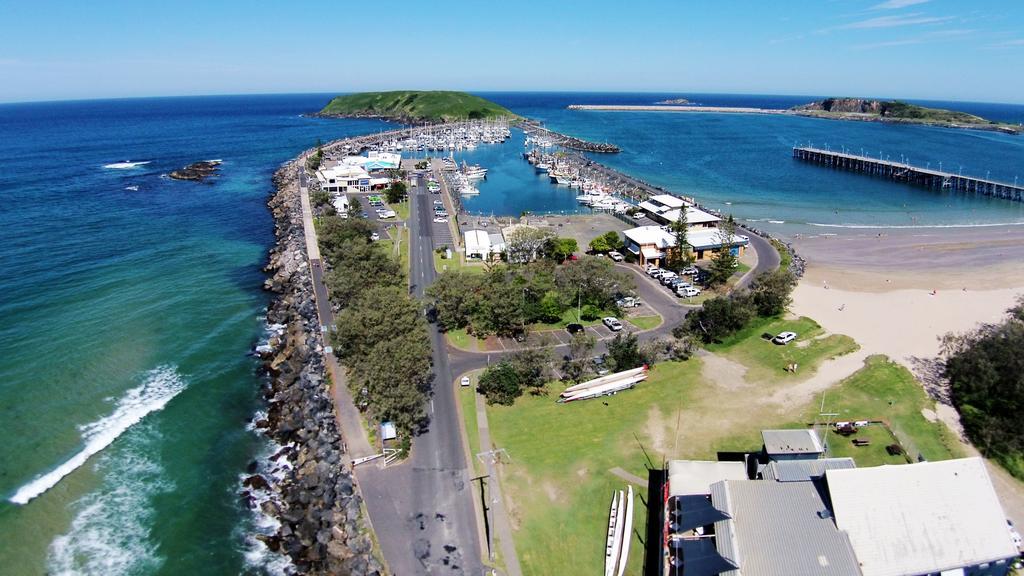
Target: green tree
x=551, y=308
x=396, y=192
x=561, y=248
x=771, y=291
x=363, y=266
x=320, y=197
x=533, y=366
x=355, y=208
x=375, y=315
x=580, y=349
x=455, y=296
x=525, y=243
x=985, y=370
x=591, y=280
x=717, y=318
x=679, y=257
x=624, y=352
x=723, y=263
x=500, y=384
x=599, y=245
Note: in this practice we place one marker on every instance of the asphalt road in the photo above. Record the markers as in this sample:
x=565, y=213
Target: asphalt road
x=422, y=509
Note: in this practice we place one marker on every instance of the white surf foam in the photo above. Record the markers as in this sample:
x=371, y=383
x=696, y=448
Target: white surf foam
x=258, y=558
x=126, y=165
x=110, y=531
x=159, y=386
x=912, y=226
x=776, y=221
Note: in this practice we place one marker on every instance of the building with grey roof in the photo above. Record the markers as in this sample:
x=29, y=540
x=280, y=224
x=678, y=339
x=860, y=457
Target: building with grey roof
x=804, y=470
x=800, y=444
x=780, y=528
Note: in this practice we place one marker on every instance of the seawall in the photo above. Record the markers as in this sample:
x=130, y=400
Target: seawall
x=315, y=499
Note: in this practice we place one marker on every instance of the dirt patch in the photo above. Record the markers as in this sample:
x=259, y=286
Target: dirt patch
x=553, y=493
x=929, y=415
x=582, y=472
x=722, y=372
x=657, y=431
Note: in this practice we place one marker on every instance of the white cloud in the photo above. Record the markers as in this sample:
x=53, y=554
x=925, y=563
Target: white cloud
x=897, y=4
x=897, y=21
x=888, y=44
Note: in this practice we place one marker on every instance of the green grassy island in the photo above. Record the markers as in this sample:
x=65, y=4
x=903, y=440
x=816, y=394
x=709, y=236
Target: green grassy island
x=894, y=111
x=413, y=106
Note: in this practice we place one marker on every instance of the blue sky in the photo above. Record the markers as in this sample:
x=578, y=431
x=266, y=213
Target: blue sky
x=924, y=49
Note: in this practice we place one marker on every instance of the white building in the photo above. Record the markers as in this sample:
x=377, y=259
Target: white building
x=358, y=173
x=666, y=208
x=651, y=244
x=480, y=244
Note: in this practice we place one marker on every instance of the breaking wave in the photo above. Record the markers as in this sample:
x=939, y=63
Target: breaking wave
x=110, y=533
x=160, y=385
x=125, y=165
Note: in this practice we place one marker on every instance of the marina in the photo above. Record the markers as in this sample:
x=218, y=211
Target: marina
x=905, y=172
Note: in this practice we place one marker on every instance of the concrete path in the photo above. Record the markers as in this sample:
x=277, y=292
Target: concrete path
x=502, y=526
x=631, y=478
x=357, y=444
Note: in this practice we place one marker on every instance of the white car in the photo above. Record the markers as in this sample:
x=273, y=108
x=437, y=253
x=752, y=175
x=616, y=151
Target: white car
x=688, y=292
x=689, y=270
x=784, y=338
x=374, y=237
x=441, y=220
x=385, y=214
x=613, y=324
x=615, y=256
x=464, y=381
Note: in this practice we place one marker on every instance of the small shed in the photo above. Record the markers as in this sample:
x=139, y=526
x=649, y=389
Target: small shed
x=388, y=431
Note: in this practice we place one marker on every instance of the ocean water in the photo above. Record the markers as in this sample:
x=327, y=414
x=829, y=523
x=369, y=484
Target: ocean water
x=131, y=300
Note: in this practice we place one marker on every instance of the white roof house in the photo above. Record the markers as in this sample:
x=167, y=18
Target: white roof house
x=651, y=241
x=478, y=243
x=921, y=518
x=694, y=217
x=374, y=161
x=711, y=239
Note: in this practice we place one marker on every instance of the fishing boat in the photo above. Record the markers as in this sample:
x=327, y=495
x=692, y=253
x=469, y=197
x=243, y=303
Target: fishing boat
x=611, y=551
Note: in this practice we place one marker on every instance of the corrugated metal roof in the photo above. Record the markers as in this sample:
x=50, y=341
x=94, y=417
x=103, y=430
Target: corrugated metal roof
x=792, y=442
x=920, y=518
x=780, y=528
x=804, y=470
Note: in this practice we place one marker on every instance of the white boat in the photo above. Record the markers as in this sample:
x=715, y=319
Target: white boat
x=563, y=179
x=627, y=533
x=604, y=386
x=611, y=549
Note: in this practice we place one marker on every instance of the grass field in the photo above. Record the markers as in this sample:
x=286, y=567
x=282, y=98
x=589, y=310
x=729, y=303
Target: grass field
x=884, y=390
x=456, y=263
x=645, y=322
x=557, y=482
x=467, y=401
x=402, y=209
x=461, y=339
x=766, y=361
x=402, y=238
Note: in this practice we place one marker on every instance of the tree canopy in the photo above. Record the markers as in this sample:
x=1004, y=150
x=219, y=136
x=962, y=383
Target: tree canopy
x=985, y=369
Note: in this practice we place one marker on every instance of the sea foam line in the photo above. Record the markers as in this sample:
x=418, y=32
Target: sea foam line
x=160, y=385
x=913, y=226
x=125, y=165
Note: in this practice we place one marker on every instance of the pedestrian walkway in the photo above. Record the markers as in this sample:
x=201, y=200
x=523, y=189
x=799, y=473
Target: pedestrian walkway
x=502, y=527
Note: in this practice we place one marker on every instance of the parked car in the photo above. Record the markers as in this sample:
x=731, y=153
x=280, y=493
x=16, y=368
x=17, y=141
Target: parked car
x=649, y=267
x=613, y=324
x=374, y=237
x=574, y=328
x=652, y=270
x=658, y=273
x=690, y=270
x=464, y=381
x=688, y=292
x=668, y=277
x=627, y=302
x=441, y=220
x=615, y=256
x=784, y=338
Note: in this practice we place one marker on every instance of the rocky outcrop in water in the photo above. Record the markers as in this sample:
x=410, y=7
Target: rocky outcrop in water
x=315, y=499
x=675, y=102
x=847, y=105
x=197, y=171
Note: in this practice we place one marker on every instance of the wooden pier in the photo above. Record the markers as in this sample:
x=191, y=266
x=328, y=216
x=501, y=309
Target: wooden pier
x=915, y=175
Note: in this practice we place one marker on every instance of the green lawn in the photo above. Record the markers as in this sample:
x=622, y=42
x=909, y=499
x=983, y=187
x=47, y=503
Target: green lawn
x=461, y=339
x=457, y=263
x=557, y=479
x=402, y=237
x=865, y=456
x=645, y=322
x=401, y=209
x=766, y=362
x=884, y=390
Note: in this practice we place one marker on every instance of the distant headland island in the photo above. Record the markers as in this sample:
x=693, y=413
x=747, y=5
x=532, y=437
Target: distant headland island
x=865, y=110
x=415, y=107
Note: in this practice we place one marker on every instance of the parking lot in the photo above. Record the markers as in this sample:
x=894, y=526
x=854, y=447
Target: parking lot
x=560, y=336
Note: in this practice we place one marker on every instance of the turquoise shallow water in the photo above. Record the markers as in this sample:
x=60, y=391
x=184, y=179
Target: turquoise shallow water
x=128, y=313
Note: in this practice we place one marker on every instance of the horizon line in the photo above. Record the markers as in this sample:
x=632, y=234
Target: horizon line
x=681, y=93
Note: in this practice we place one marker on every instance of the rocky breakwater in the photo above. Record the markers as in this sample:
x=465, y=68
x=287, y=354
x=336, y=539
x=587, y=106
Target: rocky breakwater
x=312, y=494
